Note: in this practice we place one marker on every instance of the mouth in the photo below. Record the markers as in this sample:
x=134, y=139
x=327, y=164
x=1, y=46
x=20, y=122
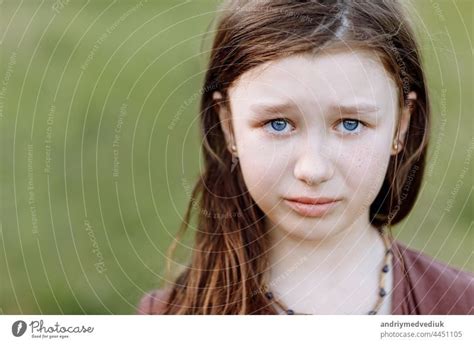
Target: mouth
x=312, y=207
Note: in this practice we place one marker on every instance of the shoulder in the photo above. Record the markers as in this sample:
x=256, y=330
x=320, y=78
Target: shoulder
x=154, y=302
x=438, y=287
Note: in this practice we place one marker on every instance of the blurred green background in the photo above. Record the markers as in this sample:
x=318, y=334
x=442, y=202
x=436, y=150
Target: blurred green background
x=100, y=145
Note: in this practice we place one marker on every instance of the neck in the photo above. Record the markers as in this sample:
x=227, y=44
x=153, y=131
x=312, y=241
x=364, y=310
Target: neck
x=301, y=270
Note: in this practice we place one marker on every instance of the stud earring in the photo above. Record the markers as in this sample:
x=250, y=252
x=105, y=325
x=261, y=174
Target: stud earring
x=233, y=148
x=395, y=144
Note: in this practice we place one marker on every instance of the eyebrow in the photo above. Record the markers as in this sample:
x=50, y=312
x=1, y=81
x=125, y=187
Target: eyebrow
x=273, y=109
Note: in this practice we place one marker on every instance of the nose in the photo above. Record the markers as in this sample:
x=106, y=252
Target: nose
x=314, y=165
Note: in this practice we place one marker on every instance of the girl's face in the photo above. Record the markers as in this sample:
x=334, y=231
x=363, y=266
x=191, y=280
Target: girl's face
x=317, y=127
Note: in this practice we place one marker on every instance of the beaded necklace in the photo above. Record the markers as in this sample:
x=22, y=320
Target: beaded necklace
x=381, y=294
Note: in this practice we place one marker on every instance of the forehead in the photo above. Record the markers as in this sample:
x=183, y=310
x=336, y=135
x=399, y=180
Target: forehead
x=326, y=78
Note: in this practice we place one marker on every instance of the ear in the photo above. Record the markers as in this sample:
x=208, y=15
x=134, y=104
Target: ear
x=404, y=124
x=225, y=119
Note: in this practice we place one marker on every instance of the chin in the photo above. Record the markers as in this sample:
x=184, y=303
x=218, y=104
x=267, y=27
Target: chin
x=311, y=229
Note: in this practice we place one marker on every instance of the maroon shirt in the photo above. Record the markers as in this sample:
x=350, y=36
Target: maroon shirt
x=421, y=286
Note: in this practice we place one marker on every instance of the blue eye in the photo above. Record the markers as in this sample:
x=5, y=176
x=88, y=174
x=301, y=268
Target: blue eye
x=278, y=126
x=351, y=125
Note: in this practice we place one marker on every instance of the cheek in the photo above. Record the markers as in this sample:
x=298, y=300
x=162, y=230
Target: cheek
x=263, y=167
x=263, y=164
x=364, y=168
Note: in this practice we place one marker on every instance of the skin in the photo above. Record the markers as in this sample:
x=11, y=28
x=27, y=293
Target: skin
x=318, y=147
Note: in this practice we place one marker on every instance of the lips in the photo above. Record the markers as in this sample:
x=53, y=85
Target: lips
x=312, y=207
x=309, y=200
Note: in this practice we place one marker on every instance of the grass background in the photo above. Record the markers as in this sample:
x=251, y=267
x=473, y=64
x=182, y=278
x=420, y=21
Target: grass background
x=89, y=85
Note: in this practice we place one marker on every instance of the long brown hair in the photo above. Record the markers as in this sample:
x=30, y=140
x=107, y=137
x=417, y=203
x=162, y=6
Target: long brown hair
x=230, y=256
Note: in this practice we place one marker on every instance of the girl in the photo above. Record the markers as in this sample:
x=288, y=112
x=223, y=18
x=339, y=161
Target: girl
x=315, y=124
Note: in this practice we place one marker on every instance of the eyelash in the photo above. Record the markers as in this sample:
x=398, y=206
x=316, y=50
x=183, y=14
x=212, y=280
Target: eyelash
x=276, y=133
